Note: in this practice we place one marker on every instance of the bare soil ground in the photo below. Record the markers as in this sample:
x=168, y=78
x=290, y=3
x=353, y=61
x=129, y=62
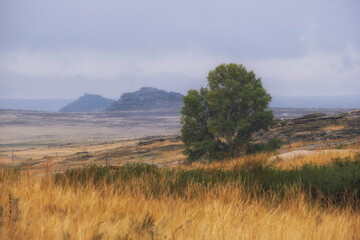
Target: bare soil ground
x=61, y=140
x=30, y=128
x=164, y=151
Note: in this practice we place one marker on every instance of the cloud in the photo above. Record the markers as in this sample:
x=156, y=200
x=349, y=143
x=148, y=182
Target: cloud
x=108, y=47
x=314, y=73
x=105, y=65
x=315, y=67
x=70, y=63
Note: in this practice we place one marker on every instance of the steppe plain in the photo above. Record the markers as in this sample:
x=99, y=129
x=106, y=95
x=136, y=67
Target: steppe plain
x=30, y=137
x=62, y=189
x=59, y=141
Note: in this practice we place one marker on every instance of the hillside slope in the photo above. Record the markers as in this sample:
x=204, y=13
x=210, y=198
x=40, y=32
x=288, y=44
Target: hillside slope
x=88, y=103
x=343, y=129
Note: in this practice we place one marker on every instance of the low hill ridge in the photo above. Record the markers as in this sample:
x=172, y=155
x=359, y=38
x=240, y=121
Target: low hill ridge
x=88, y=103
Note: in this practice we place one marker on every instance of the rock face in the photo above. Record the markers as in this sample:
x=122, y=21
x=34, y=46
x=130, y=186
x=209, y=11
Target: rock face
x=148, y=98
x=343, y=128
x=88, y=103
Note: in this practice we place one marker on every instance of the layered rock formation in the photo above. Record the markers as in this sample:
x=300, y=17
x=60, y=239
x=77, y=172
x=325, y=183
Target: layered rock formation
x=343, y=127
x=148, y=98
x=88, y=103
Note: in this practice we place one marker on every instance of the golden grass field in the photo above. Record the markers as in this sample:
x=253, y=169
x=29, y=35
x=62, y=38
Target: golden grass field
x=41, y=209
x=47, y=211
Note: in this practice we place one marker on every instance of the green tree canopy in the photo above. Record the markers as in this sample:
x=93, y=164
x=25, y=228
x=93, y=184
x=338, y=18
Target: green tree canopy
x=219, y=120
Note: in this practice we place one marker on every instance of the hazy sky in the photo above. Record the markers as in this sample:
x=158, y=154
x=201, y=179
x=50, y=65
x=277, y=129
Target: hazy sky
x=63, y=49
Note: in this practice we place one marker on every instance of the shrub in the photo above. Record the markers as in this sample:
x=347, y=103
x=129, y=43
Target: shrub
x=333, y=183
x=271, y=146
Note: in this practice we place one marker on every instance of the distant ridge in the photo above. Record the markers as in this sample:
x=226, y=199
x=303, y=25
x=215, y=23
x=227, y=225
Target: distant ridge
x=88, y=103
x=148, y=98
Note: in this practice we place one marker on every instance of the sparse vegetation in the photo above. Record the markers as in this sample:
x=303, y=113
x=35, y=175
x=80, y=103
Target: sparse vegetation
x=333, y=127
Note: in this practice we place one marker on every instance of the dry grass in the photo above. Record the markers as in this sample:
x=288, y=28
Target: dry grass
x=319, y=145
x=59, y=151
x=48, y=211
x=317, y=158
x=42, y=209
x=302, y=133
x=333, y=127
x=117, y=152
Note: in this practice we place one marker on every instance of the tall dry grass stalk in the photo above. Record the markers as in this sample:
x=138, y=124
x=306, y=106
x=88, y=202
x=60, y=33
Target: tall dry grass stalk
x=52, y=211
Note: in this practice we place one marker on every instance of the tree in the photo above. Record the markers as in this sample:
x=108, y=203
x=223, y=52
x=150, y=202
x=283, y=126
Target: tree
x=219, y=120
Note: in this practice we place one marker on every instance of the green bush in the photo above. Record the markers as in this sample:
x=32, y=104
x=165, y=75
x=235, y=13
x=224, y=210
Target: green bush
x=334, y=182
x=271, y=146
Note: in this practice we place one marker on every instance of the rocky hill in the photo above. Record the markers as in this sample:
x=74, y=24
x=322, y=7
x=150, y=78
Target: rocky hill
x=343, y=128
x=88, y=103
x=148, y=98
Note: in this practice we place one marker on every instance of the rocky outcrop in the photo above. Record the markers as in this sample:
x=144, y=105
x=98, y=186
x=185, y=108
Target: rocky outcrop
x=343, y=127
x=308, y=118
x=148, y=98
x=290, y=113
x=88, y=103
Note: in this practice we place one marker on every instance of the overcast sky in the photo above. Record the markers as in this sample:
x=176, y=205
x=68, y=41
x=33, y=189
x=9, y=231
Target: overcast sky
x=63, y=49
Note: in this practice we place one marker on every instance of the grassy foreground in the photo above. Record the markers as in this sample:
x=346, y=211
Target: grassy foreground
x=241, y=200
